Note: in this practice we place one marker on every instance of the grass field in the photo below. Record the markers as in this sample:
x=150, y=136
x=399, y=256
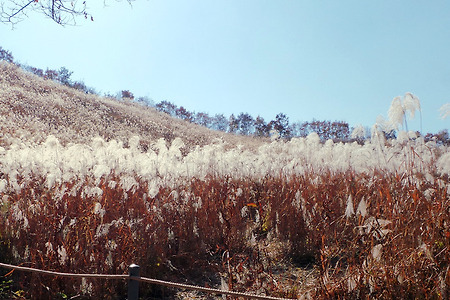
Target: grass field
x=367, y=220
x=91, y=185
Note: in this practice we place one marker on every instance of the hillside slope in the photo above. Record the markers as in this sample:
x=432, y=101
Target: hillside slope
x=31, y=108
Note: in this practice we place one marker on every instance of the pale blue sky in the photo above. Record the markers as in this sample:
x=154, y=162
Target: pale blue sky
x=328, y=60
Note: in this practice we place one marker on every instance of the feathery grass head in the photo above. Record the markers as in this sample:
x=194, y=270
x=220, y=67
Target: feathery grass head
x=396, y=113
x=400, y=107
x=358, y=132
x=445, y=111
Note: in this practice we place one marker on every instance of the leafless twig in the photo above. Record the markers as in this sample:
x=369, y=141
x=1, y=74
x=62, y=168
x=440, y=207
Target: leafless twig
x=63, y=12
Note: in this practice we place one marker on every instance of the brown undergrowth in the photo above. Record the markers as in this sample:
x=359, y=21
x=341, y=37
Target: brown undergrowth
x=328, y=235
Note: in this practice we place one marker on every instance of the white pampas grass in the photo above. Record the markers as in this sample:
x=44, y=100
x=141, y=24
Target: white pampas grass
x=358, y=132
x=400, y=107
x=396, y=113
x=411, y=103
x=445, y=110
x=376, y=252
x=362, y=208
x=349, y=211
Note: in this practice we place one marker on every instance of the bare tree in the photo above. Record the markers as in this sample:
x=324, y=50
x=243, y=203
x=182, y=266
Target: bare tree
x=184, y=114
x=167, y=107
x=203, y=119
x=246, y=123
x=219, y=122
x=261, y=128
x=63, y=12
x=281, y=124
x=233, y=124
x=6, y=55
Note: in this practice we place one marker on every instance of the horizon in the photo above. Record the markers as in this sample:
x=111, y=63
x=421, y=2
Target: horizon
x=325, y=61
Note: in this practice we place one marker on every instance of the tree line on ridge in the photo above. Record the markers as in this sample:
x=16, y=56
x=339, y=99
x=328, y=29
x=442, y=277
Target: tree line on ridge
x=242, y=123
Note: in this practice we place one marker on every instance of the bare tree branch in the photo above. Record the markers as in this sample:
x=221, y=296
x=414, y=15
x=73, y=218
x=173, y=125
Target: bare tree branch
x=63, y=12
x=20, y=10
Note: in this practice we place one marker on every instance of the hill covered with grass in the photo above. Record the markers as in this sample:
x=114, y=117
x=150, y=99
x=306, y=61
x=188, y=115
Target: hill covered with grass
x=31, y=108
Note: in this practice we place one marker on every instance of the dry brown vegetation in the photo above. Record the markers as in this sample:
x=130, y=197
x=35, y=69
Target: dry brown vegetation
x=261, y=235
